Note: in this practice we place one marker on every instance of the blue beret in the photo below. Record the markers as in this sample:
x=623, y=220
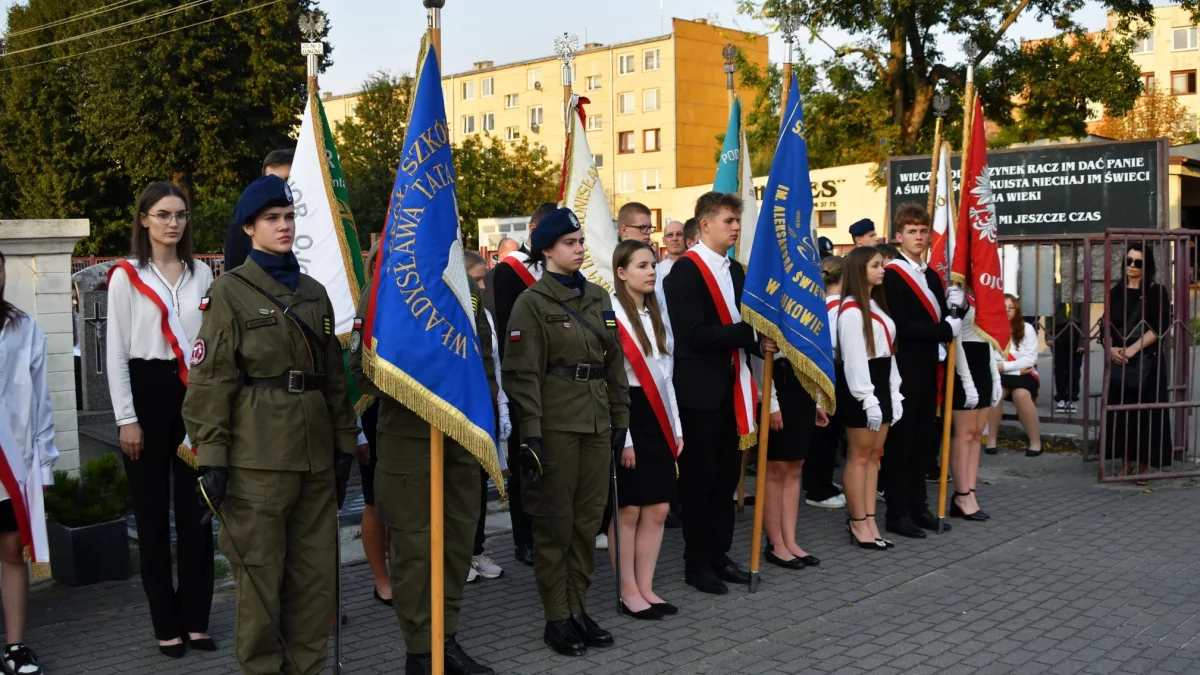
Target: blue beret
x=824, y=247
x=554, y=225
x=862, y=227
x=264, y=193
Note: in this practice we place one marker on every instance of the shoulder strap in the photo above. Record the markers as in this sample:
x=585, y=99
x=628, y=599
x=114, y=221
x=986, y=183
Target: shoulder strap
x=584, y=322
x=316, y=342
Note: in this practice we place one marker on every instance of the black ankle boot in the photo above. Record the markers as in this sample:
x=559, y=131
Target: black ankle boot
x=458, y=663
x=562, y=638
x=418, y=664
x=592, y=634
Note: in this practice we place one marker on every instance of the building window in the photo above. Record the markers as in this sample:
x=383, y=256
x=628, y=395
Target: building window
x=826, y=218
x=1183, y=39
x=489, y=121
x=1147, y=83
x=656, y=219
x=650, y=100
x=1144, y=45
x=468, y=124
x=625, y=182
x=488, y=87
x=625, y=64
x=468, y=90
x=512, y=100
x=651, y=140
x=535, y=117
x=651, y=181
x=651, y=60
x=1183, y=82
x=625, y=105
x=1193, y=121
x=594, y=82
x=535, y=78
x=625, y=142
x=598, y=160
x=595, y=122
x=512, y=133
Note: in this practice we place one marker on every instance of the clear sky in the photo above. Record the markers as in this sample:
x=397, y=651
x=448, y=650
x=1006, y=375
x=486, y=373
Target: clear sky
x=369, y=35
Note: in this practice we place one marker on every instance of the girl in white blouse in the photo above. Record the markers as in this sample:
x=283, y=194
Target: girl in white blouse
x=868, y=389
x=646, y=472
x=976, y=390
x=154, y=313
x=1019, y=380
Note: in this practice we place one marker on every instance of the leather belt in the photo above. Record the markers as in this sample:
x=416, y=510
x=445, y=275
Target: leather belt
x=580, y=372
x=293, y=381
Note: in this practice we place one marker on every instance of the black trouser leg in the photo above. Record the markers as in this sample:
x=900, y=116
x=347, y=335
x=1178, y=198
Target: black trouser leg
x=907, y=455
x=816, y=478
x=483, y=498
x=194, y=549
x=1068, y=365
x=522, y=525
x=707, y=479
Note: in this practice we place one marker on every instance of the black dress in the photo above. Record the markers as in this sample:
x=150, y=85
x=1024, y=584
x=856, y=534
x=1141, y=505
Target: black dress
x=979, y=363
x=1142, y=436
x=850, y=409
x=652, y=480
x=799, y=411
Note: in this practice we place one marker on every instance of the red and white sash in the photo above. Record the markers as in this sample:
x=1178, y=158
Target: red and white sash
x=517, y=260
x=851, y=304
x=172, y=330
x=922, y=292
x=745, y=391
x=1010, y=358
x=651, y=378
x=27, y=504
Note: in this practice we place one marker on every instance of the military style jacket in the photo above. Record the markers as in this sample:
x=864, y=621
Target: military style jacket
x=394, y=418
x=232, y=412
x=559, y=374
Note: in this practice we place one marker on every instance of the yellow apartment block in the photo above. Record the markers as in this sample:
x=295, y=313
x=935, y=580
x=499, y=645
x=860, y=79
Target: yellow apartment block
x=656, y=107
x=1169, y=57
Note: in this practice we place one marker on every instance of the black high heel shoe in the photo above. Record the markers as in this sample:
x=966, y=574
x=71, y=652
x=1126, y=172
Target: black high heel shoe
x=873, y=545
x=886, y=542
x=980, y=511
x=173, y=651
x=203, y=644
x=957, y=512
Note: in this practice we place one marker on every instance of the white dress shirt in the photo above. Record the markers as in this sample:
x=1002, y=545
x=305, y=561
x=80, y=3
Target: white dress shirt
x=833, y=320
x=719, y=265
x=662, y=269
x=26, y=413
x=1024, y=355
x=855, y=355
x=134, y=326
x=666, y=366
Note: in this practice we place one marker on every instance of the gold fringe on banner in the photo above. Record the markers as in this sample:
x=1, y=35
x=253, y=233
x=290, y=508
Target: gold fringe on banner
x=40, y=570
x=188, y=456
x=364, y=402
x=816, y=383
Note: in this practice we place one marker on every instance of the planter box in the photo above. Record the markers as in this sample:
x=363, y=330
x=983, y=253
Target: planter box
x=86, y=555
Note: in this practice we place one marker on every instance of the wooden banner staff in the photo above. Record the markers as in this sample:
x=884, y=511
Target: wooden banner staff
x=948, y=396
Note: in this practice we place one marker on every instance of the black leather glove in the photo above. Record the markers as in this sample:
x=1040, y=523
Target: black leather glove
x=213, y=482
x=341, y=469
x=530, y=459
x=618, y=440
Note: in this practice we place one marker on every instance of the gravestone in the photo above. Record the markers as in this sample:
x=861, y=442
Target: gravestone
x=88, y=278
x=93, y=308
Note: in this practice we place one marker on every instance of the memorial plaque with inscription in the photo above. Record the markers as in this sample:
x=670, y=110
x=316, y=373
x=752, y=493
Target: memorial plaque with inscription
x=93, y=308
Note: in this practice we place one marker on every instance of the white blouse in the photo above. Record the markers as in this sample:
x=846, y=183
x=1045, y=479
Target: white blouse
x=1024, y=355
x=833, y=303
x=666, y=365
x=134, y=325
x=855, y=357
x=26, y=413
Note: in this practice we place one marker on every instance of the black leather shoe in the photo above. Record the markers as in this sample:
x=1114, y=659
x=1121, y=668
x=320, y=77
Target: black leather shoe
x=705, y=581
x=592, y=634
x=666, y=608
x=905, y=527
x=809, y=560
x=793, y=564
x=418, y=664
x=651, y=613
x=957, y=512
x=525, y=555
x=202, y=644
x=562, y=638
x=731, y=573
x=991, y=451
x=458, y=663
x=173, y=651
x=927, y=521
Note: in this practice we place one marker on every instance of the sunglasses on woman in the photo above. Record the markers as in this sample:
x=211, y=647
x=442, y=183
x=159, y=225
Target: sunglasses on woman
x=1134, y=263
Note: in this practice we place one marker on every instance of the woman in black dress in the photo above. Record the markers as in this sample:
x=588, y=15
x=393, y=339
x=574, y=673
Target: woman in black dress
x=976, y=390
x=1139, y=311
x=646, y=473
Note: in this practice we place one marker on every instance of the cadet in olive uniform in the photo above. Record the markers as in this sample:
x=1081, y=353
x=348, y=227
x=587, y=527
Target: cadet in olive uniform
x=564, y=373
x=267, y=408
x=402, y=505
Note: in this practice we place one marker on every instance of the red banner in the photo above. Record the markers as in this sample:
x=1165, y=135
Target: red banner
x=976, y=262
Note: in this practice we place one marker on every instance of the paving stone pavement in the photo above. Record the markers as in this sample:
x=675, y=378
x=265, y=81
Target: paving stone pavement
x=1068, y=577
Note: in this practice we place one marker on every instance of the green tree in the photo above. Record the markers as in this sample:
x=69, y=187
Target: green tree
x=370, y=144
x=497, y=178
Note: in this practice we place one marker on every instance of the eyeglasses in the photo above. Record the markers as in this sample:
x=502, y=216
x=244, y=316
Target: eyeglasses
x=673, y=235
x=1134, y=263
x=165, y=217
x=644, y=229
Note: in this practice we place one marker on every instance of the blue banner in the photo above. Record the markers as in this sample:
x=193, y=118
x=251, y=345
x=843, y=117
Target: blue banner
x=784, y=296
x=420, y=345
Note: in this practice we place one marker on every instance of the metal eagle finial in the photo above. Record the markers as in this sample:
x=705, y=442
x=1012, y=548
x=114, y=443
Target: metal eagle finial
x=312, y=26
x=565, y=47
x=941, y=105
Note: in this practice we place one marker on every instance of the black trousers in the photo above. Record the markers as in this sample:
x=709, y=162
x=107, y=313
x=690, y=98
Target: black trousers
x=908, y=454
x=522, y=524
x=817, y=475
x=708, y=475
x=1068, y=365
x=153, y=477
x=483, y=498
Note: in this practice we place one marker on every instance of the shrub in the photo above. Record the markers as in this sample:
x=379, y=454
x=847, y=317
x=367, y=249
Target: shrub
x=99, y=495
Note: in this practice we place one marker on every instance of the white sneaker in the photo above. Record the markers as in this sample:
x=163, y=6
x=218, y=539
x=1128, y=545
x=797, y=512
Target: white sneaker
x=602, y=542
x=486, y=567
x=1061, y=406
x=834, y=502
x=472, y=575
x=1073, y=407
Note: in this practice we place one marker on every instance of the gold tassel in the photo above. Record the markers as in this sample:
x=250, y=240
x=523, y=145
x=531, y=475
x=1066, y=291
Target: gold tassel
x=188, y=456
x=40, y=570
x=815, y=382
x=748, y=441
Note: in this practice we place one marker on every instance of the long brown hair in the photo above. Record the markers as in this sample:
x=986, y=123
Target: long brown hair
x=1017, y=323
x=622, y=256
x=832, y=269
x=855, y=287
x=140, y=244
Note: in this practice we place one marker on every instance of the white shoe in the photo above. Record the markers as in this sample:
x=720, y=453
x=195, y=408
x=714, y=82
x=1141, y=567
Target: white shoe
x=1073, y=407
x=472, y=575
x=486, y=567
x=834, y=502
x=602, y=542
x=1061, y=406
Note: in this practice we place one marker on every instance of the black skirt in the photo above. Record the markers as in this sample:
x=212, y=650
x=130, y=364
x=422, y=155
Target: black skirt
x=652, y=480
x=799, y=417
x=1027, y=382
x=850, y=409
x=979, y=363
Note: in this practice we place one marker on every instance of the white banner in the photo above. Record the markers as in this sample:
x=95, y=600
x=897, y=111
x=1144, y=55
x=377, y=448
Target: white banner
x=749, y=201
x=584, y=195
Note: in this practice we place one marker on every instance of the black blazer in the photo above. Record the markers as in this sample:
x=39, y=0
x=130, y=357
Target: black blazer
x=917, y=334
x=506, y=286
x=703, y=372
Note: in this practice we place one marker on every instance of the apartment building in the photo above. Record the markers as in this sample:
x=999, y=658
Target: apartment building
x=656, y=107
x=1170, y=56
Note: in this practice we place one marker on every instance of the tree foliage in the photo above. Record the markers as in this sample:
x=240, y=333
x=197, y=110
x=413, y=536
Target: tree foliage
x=1156, y=114
x=498, y=178
x=85, y=130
